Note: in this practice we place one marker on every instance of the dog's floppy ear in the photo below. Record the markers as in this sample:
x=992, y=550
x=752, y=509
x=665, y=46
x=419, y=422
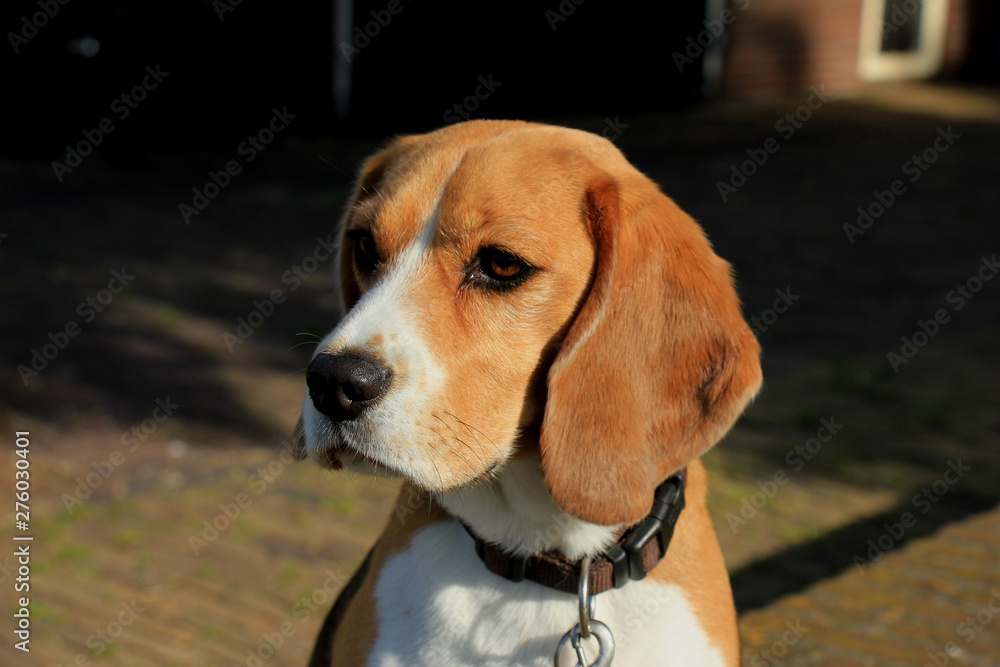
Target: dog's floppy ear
x=657, y=365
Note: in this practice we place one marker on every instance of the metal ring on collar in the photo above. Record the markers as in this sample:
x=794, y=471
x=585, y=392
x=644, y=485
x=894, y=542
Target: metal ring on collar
x=586, y=602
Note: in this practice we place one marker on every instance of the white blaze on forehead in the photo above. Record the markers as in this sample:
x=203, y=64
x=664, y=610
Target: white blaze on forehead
x=384, y=310
x=383, y=323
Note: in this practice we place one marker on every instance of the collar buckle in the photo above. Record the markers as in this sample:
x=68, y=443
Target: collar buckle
x=627, y=556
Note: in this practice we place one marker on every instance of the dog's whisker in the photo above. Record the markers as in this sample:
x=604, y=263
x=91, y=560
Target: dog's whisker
x=472, y=428
x=477, y=454
x=467, y=446
x=329, y=163
x=438, y=471
x=456, y=452
x=491, y=471
x=455, y=436
x=305, y=342
x=459, y=439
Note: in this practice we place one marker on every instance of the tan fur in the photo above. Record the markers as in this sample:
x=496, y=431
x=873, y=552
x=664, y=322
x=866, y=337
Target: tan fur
x=694, y=563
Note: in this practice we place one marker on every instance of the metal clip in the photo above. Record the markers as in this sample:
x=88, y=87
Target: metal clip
x=605, y=642
x=588, y=627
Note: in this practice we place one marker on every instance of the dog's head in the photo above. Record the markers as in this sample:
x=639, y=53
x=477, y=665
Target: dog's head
x=507, y=286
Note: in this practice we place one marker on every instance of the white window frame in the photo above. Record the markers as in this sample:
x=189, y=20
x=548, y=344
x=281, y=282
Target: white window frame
x=876, y=65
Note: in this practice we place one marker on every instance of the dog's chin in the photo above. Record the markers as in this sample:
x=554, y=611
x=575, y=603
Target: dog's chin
x=354, y=461
x=345, y=457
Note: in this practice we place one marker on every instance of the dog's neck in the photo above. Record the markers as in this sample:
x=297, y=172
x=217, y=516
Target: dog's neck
x=515, y=510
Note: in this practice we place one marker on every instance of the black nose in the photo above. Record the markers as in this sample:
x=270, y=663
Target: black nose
x=341, y=386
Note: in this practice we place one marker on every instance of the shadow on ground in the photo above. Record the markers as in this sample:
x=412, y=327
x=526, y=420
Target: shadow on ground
x=795, y=568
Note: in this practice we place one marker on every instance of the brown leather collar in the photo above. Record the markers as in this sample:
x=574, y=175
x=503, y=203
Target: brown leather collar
x=633, y=555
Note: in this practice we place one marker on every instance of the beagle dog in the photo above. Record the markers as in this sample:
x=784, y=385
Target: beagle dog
x=533, y=339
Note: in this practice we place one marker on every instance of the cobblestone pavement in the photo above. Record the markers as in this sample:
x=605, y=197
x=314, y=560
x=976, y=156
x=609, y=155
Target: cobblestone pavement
x=934, y=601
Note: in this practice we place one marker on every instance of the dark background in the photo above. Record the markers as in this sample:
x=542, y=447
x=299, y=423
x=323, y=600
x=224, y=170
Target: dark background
x=226, y=73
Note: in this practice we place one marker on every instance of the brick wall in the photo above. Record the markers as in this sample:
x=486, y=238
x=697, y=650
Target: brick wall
x=956, y=39
x=780, y=46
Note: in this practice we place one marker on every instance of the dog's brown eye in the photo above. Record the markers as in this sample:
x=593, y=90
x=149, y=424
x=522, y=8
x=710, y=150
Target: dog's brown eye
x=365, y=253
x=502, y=266
x=500, y=269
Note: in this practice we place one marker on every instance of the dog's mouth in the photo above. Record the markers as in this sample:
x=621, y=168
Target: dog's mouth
x=330, y=458
x=343, y=447
x=340, y=456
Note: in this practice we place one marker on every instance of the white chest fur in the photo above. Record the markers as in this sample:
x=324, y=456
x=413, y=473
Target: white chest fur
x=437, y=605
